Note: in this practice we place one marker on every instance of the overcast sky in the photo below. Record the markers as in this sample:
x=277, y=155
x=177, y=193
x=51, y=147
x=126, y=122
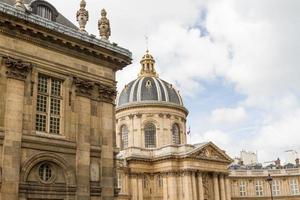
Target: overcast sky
x=235, y=62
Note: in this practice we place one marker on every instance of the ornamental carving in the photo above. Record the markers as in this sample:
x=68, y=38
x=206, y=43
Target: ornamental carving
x=104, y=26
x=209, y=153
x=82, y=16
x=17, y=68
x=107, y=93
x=83, y=87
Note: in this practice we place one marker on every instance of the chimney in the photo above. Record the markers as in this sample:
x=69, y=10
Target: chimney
x=297, y=162
x=277, y=163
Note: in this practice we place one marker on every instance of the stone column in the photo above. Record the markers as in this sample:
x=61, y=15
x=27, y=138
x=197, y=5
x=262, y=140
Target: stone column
x=216, y=187
x=194, y=185
x=131, y=132
x=187, y=184
x=83, y=109
x=134, y=187
x=140, y=188
x=165, y=187
x=173, y=193
x=222, y=187
x=200, y=187
x=228, y=190
x=17, y=72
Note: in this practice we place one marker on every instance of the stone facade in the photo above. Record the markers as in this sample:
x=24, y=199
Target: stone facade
x=155, y=162
x=252, y=184
x=57, y=111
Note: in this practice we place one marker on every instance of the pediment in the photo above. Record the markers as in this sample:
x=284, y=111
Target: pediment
x=210, y=151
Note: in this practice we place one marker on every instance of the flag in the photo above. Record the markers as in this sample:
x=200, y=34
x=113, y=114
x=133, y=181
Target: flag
x=189, y=131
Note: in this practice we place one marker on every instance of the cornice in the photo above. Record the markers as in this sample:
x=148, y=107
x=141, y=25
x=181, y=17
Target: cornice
x=157, y=104
x=173, y=157
x=50, y=34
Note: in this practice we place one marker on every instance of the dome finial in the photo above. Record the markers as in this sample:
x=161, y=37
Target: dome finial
x=148, y=65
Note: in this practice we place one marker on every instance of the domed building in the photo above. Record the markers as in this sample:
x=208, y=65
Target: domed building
x=155, y=161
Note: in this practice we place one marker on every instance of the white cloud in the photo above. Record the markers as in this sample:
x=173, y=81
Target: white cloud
x=228, y=115
x=251, y=44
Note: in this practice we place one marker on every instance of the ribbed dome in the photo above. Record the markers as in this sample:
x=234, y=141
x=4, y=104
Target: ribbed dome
x=149, y=89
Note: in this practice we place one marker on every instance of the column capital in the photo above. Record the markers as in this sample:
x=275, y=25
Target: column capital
x=16, y=68
x=83, y=87
x=107, y=93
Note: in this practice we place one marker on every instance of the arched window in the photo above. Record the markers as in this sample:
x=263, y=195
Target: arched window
x=150, y=136
x=176, y=134
x=44, y=9
x=124, y=137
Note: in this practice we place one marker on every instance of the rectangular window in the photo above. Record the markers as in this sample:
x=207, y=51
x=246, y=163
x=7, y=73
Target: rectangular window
x=276, y=187
x=294, y=186
x=242, y=188
x=48, y=105
x=259, y=188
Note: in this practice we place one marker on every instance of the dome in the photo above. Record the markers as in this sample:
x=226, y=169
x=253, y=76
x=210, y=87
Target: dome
x=148, y=87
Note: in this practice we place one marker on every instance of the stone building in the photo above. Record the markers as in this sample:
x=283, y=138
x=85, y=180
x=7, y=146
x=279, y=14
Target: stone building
x=155, y=161
x=57, y=113
x=252, y=184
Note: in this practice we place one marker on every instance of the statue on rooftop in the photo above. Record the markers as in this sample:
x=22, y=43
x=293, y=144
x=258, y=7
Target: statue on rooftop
x=104, y=26
x=82, y=16
x=20, y=5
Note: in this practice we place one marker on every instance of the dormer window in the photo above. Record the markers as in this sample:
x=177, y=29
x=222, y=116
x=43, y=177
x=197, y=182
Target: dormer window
x=44, y=11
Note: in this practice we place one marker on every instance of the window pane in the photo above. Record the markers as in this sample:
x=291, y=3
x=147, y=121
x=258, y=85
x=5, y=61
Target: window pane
x=294, y=187
x=41, y=103
x=42, y=84
x=55, y=87
x=150, y=136
x=55, y=106
x=41, y=123
x=45, y=172
x=242, y=188
x=54, y=125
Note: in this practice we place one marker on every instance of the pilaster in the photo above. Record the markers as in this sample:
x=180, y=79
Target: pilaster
x=83, y=105
x=16, y=72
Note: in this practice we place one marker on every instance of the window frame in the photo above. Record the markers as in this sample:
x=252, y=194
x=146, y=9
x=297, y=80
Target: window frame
x=259, y=189
x=62, y=99
x=294, y=186
x=242, y=188
x=176, y=139
x=150, y=126
x=276, y=187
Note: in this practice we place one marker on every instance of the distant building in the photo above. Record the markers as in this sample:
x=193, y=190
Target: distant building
x=248, y=158
x=250, y=183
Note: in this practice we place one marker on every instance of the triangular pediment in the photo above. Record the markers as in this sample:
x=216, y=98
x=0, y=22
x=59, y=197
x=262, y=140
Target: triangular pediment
x=209, y=151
